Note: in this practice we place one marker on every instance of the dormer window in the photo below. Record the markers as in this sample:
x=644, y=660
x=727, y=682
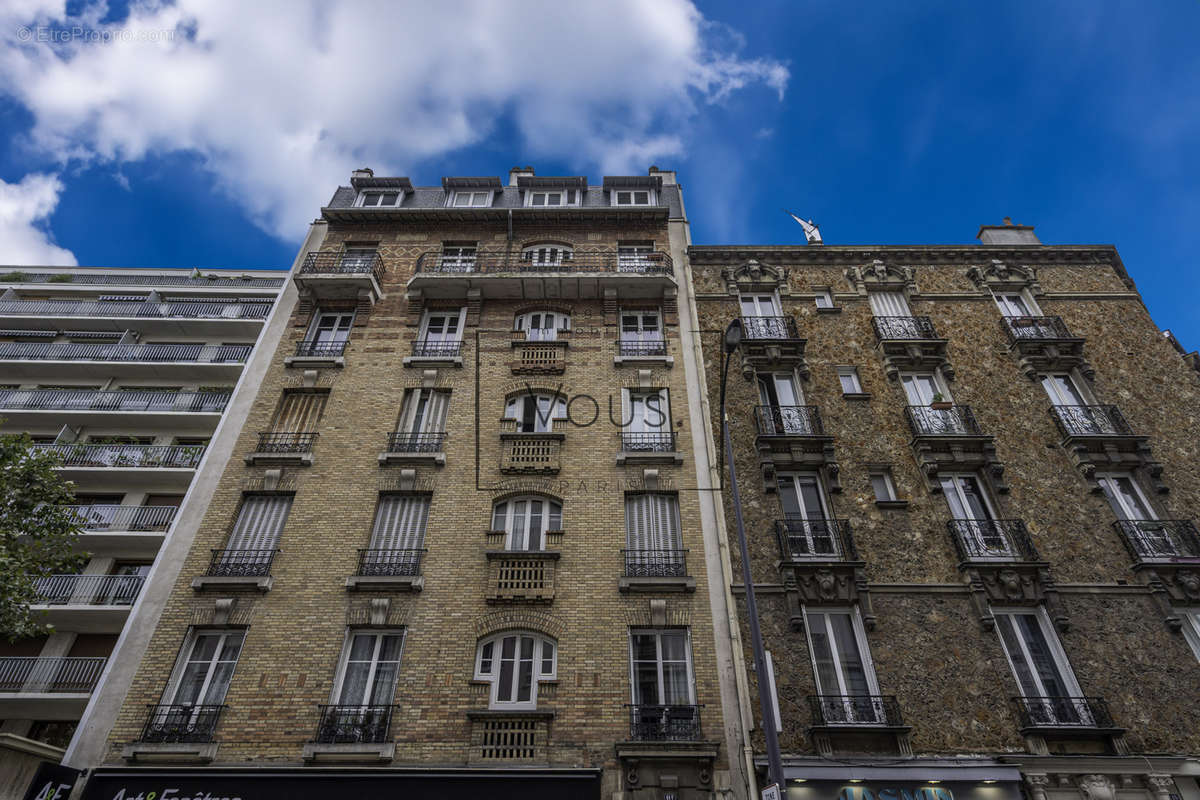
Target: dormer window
x=377, y=198
x=559, y=197
x=633, y=197
x=468, y=199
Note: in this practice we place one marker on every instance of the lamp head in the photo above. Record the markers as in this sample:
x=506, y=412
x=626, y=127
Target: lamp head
x=733, y=335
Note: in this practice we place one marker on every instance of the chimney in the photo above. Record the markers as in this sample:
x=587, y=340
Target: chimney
x=1008, y=233
x=668, y=175
x=519, y=172
x=359, y=174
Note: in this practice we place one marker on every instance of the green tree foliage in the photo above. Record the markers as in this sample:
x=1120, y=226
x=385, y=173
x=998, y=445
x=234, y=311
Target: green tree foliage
x=37, y=531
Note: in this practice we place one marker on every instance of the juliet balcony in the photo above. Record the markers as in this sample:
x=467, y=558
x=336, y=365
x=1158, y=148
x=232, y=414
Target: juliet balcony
x=521, y=576
x=352, y=733
x=772, y=343
x=404, y=447
x=866, y=710
x=650, y=447
x=1160, y=541
x=654, y=570
x=540, y=356
x=563, y=275
x=176, y=733
x=191, y=412
x=314, y=353
x=238, y=569
x=804, y=541
x=187, y=318
x=1058, y=715
x=123, y=531
x=435, y=351
x=47, y=688
x=649, y=352
x=42, y=360
x=523, y=453
x=341, y=276
x=991, y=540
x=794, y=437
x=398, y=570
x=91, y=603
x=910, y=343
x=1044, y=344
x=284, y=447
x=664, y=723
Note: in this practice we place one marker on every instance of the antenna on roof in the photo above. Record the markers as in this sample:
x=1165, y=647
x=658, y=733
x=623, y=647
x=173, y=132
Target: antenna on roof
x=811, y=232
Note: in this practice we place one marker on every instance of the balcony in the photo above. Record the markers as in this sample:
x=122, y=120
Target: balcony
x=642, y=351
x=91, y=603
x=426, y=351
x=233, y=569
x=949, y=438
x=182, y=318
x=793, y=437
x=67, y=280
x=521, y=576
x=415, y=447
x=992, y=540
x=352, y=733
x=502, y=274
x=1058, y=713
x=47, y=688
x=927, y=421
x=517, y=737
x=39, y=360
x=910, y=344
x=1079, y=421
x=772, y=343
x=284, y=447
x=530, y=453
x=663, y=723
x=339, y=276
x=176, y=733
x=123, y=531
x=539, y=357
x=388, y=569
x=808, y=540
x=871, y=711
x=1044, y=344
x=1160, y=541
x=154, y=467
x=181, y=411
x=788, y=421
x=1098, y=438
x=656, y=571
x=312, y=353
x=655, y=447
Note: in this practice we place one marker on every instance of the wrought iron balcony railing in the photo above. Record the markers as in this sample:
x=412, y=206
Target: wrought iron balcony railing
x=142, y=309
x=1160, y=539
x=390, y=563
x=803, y=539
x=663, y=723
x=286, y=442
x=1063, y=712
x=903, y=328
x=1091, y=421
x=70, y=674
x=314, y=349
x=867, y=709
x=502, y=261
x=152, y=353
x=343, y=264
x=175, y=724
x=1035, y=328
x=416, y=442
x=20, y=276
x=953, y=421
x=125, y=518
x=88, y=590
x=760, y=328
x=788, y=421
x=653, y=442
x=634, y=348
x=436, y=349
x=351, y=724
x=171, y=456
x=655, y=563
x=241, y=563
x=984, y=539
x=93, y=400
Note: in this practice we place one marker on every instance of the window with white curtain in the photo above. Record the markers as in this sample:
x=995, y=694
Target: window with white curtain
x=369, y=668
x=513, y=663
x=526, y=520
x=536, y=412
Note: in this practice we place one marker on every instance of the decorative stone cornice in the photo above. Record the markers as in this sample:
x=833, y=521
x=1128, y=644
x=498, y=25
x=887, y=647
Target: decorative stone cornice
x=998, y=275
x=753, y=276
x=965, y=255
x=880, y=275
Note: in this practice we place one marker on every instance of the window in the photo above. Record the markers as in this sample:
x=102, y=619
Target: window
x=369, y=667
x=330, y=328
x=359, y=258
x=535, y=413
x=526, y=520
x=542, y=326
x=1044, y=676
x=457, y=257
x=423, y=415
x=1191, y=627
x=974, y=517
x=921, y=388
x=844, y=674
x=888, y=304
x=661, y=667
x=966, y=497
x=759, y=305
x=375, y=198
x=205, y=668
x=1062, y=390
x=779, y=389
x=632, y=197
x=1125, y=496
x=848, y=377
x=1137, y=519
x=558, y=197
x=806, y=518
x=1016, y=304
x=641, y=327
x=259, y=523
x=299, y=412
x=652, y=523
x=442, y=327
x=883, y=485
x=647, y=411
x=399, y=526
x=547, y=255
x=514, y=663
x=824, y=299
x=636, y=257
x=477, y=199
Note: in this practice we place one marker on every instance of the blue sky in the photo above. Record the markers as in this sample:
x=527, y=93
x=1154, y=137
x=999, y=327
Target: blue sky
x=886, y=123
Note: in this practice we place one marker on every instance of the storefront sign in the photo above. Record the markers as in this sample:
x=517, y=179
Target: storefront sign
x=902, y=790
x=52, y=782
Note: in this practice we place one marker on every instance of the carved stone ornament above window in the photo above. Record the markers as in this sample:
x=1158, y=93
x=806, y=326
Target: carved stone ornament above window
x=755, y=277
x=878, y=276
x=1000, y=277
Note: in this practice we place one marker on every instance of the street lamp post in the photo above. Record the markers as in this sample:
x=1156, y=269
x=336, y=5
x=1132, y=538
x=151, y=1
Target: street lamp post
x=733, y=339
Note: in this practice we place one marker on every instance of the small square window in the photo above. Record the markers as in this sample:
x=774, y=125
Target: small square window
x=881, y=482
x=632, y=197
x=848, y=376
x=379, y=199
x=463, y=199
x=824, y=299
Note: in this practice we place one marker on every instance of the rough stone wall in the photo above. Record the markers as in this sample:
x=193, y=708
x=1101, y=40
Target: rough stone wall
x=950, y=676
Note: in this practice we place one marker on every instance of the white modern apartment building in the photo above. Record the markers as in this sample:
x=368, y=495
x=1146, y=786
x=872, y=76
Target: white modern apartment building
x=126, y=375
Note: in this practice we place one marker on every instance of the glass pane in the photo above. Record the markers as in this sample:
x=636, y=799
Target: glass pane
x=854, y=673
x=547, y=658
x=644, y=648
x=504, y=688
x=973, y=498
x=385, y=684
x=485, y=658
x=827, y=677
x=1043, y=660
x=354, y=684
x=191, y=683
x=675, y=684
x=646, y=683
x=674, y=646
x=362, y=646
x=390, y=649
x=1021, y=667
x=222, y=673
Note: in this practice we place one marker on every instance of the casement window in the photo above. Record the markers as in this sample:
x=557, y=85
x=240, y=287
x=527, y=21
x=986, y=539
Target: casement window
x=379, y=198
x=889, y=304
x=806, y=517
x=1191, y=627
x=883, y=485
x=458, y=257
x=652, y=523
x=299, y=412
x=824, y=299
x=1125, y=496
x=260, y=521
x=442, y=326
x=1039, y=664
x=369, y=667
x=974, y=515
x=660, y=665
x=400, y=522
x=845, y=676
x=783, y=409
x=920, y=388
x=205, y=667
x=542, y=326
x=538, y=198
x=760, y=305
x=526, y=520
x=547, y=255
x=641, y=327
x=329, y=327
x=514, y=664
x=470, y=199
x=536, y=412
x=646, y=411
x=633, y=197
x=635, y=257
x=1016, y=304
x=779, y=389
x=849, y=380
x=1062, y=390
x=423, y=412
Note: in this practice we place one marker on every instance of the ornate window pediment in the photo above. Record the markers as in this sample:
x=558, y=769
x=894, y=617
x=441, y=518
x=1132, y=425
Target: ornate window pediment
x=1000, y=277
x=878, y=276
x=755, y=277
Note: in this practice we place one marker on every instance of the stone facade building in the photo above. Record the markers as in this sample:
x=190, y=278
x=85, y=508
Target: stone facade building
x=969, y=476
x=460, y=547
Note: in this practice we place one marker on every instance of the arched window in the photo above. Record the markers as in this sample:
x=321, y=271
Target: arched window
x=550, y=254
x=542, y=326
x=526, y=520
x=535, y=412
x=514, y=662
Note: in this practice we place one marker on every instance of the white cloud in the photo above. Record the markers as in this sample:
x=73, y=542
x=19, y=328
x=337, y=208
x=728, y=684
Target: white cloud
x=22, y=207
x=282, y=98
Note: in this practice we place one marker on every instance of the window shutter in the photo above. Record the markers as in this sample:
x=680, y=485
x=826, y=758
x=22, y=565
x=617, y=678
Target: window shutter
x=652, y=522
x=435, y=415
x=889, y=304
x=299, y=412
x=400, y=523
x=259, y=522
